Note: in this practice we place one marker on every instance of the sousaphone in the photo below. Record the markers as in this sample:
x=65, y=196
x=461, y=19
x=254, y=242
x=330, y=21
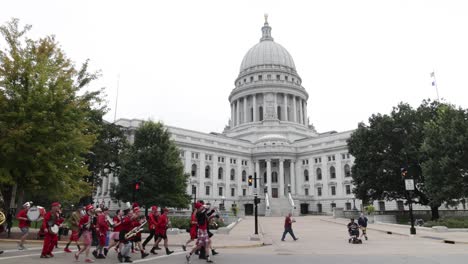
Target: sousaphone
x=2, y=218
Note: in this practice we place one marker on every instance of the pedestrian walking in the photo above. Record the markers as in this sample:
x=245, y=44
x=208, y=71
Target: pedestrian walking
x=23, y=224
x=362, y=222
x=288, y=227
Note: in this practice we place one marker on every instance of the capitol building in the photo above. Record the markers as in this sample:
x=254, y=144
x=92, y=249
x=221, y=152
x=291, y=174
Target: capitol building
x=269, y=135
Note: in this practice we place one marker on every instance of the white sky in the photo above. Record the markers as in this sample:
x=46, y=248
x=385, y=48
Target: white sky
x=178, y=60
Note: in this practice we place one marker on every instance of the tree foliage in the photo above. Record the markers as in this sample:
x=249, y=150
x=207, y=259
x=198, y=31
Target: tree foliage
x=430, y=141
x=46, y=117
x=154, y=161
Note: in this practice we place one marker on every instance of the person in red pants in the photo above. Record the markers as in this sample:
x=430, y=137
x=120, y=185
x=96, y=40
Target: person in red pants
x=50, y=222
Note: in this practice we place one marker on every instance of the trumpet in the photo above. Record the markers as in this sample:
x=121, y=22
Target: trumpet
x=2, y=218
x=135, y=231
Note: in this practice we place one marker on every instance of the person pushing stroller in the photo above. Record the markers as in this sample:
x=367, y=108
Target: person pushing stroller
x=353, y=231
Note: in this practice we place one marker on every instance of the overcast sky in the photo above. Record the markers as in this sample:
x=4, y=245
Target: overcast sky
x=178, y=60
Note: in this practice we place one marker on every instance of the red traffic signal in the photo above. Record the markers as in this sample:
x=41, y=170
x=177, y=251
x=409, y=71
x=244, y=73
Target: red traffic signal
x=137, y=186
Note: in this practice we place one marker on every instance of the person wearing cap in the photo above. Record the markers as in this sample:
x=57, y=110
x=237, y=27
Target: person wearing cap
x=86, y=225
x=75, y=229
x=124, y=244
x=203, y=240
x=161, y=228
x=193, y=229
x=138, y=221
x=51, y=218
x=23, y=224
x=101, y=228
x=152, y=222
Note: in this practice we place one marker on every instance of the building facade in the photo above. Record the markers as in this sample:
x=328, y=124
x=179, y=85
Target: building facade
x=268, y=135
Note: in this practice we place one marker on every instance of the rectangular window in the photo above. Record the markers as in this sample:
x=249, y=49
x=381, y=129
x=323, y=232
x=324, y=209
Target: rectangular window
x=269, y=76
x=381, y=206
x=316, y=160
x=343, y=156
x=347, y=155
x=400, y=205
x=320, y=160
x=251, y=78
x=244, y=192
x=306, y=191
x=319, y=191
x=329, y=158
x=348, y=189
x=286, y=78
x=194, y=190
x=278, y=77
x=348, y=206
x=292, y=79
x=333, y=190
x=207, y=190
x=260, y=77
x=333, y=157
x=233, y=192
x=220, y=191
x=245, y=80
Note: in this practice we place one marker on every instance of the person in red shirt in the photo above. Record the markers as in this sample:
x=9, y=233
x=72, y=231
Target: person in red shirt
x=101, y=229
x=288, y=227
x=152, y=222
x=124, y=244
x=114, y=236
x=193, y=229
x=86, y=225
x=161, y=228
x=23, y=224
x=51, y=219
x=203, y=240
x=75, y=229
x=138, y=221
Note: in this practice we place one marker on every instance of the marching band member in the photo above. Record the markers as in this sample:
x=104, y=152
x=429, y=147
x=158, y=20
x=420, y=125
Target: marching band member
x=161, y=228
x=75, y=229
x=152, y=222
x=23, y=224
x=124, y=244
x=101, y=228
x=137, y=221
x=114, y=236
x=86, y=224
x=50, y=219
x=193, y=229
x=203, y=240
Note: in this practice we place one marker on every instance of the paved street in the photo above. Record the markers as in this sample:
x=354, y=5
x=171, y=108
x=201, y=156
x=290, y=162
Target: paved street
x=319, y=242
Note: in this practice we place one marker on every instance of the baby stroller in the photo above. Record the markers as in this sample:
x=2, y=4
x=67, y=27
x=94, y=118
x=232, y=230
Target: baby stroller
x=353, y=231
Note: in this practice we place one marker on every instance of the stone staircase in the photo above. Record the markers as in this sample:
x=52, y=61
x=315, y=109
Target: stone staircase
x=279, y=206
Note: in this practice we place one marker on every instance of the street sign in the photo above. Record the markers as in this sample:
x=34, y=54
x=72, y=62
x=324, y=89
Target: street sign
x=409, y=184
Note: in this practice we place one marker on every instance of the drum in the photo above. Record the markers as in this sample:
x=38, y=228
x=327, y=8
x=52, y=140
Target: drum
x=34, y=213
x=54, y=229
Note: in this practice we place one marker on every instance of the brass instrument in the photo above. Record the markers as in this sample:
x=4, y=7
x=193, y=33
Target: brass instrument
x=135, y=231
x=2, y=218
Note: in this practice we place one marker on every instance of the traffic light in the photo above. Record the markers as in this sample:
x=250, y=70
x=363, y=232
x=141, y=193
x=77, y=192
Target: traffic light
x=250, y=180
x=137, y=185
x=404, y=172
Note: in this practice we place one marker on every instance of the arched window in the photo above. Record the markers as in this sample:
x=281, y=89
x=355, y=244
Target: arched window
x=194, y=170
x=260, y=113
x=244, y=176
x=332, y=172
x=274, y=177
x=207, y=172
x=233, y=174
x=306, y=175
x=319, y=174
x=278, y=109
x=347, y=171
x=220, y=173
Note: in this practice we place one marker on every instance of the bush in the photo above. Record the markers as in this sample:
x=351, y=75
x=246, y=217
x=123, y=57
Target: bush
x=449, y=222
x=180, y=222
x=369, y=209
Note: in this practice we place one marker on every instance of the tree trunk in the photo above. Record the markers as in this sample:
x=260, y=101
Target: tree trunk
x=13, y=196
x=435, y=212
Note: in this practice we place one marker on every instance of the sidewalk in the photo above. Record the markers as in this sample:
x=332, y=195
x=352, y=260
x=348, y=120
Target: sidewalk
x=238, y=237
x=404, y=230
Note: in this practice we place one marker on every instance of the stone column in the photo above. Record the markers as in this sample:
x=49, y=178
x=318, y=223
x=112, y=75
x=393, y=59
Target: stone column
x=285, y=107
x=268, y=161
x=281, y=178
x=201, y=176
x=292, y=172
x=301, y=116
x=104, y=186
x=306, y=122
x=254, y=105
x=214, y=176
x=294, y=109
x=238, y=112
x=188, y=168
x=276, y=104
x=245, y=109
x=239, y=177
x=257, y=170
x=233, y=123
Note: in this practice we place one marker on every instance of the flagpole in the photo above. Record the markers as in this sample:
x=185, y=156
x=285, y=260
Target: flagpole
x=117, y=97
x=435, y=84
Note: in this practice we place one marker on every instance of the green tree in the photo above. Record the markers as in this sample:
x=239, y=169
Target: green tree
x=407, y=138
x=46, y=116
x=154, y=161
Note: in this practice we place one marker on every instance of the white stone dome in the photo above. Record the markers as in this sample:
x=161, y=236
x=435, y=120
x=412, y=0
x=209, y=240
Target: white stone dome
x=267, y=52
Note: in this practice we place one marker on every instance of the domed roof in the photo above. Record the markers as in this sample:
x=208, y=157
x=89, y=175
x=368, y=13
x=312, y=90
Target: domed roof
x=267, y=52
